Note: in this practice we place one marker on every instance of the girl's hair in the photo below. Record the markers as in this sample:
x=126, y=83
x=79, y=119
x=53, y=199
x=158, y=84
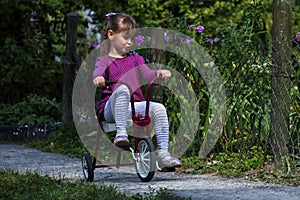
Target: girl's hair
x=117, y=22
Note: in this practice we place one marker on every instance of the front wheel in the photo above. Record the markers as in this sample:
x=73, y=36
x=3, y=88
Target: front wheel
x=145, y=162
x=87, y=167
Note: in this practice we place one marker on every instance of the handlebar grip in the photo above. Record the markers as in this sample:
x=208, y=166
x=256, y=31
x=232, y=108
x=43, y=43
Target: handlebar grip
x=109, y=82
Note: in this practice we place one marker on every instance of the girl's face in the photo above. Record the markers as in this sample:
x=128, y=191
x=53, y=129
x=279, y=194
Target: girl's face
x=120, y=43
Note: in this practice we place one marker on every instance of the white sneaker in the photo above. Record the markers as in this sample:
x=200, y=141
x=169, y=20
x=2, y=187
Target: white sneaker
x=167, y=161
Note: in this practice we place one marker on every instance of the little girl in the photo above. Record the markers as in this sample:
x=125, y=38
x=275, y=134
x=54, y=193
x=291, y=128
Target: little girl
x=119, y=64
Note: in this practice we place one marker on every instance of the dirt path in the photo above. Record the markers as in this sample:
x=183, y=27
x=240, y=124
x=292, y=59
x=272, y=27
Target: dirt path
x=125, y=179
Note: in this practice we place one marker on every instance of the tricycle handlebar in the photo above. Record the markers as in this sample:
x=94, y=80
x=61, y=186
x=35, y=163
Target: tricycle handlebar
x=110, y=82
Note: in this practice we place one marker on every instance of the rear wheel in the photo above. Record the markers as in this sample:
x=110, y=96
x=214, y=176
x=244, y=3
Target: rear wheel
x=145, y=159
x=87, y=167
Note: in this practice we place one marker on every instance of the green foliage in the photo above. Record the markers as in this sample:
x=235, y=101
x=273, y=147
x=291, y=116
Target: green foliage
x=246, y=77
x=33, y=186
x=31, y=56
x=146, y=12
x=253, y=165
x=33, y=109
x=26, y=68
x=242, y=52
x=236, y=164
x=246, y=80
x=64, y=140
x=241, y=31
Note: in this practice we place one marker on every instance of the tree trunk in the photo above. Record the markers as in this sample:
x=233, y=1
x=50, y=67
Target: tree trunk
x=70, y=64
x=281, y=62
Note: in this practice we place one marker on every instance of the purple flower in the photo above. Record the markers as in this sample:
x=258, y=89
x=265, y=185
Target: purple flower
x=211, y=41
x=108, y=15
x=200, y=29
x=297, y=38
x=166, y=37
x=188, y=40
x=139, y=39
x=97, y=46
x=191, y=27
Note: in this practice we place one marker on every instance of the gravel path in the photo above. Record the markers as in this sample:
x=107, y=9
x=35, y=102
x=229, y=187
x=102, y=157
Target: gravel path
x=125, y=179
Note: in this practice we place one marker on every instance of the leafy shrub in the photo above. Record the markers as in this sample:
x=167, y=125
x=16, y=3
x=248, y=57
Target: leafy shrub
x=33, y=109
x=64, y=140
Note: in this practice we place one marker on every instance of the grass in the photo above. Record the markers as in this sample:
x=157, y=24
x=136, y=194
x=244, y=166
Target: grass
x=31, y=186
x=238, y=165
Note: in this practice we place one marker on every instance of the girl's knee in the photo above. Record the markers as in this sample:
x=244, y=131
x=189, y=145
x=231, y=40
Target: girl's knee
x=123, y=90
x=159, y=108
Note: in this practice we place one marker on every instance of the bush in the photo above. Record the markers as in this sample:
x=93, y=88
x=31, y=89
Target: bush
x=33, y=109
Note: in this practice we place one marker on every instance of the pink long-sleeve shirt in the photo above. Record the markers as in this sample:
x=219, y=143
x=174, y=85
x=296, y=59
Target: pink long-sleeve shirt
x=130, y=69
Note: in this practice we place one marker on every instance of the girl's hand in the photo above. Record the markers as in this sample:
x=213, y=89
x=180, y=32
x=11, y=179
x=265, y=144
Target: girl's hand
x=99, y=81
x=165, y=74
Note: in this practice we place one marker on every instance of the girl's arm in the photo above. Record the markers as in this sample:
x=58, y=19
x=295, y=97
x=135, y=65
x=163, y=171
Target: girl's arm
x=148, y=74
x=99, y=74
x=145, y=72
